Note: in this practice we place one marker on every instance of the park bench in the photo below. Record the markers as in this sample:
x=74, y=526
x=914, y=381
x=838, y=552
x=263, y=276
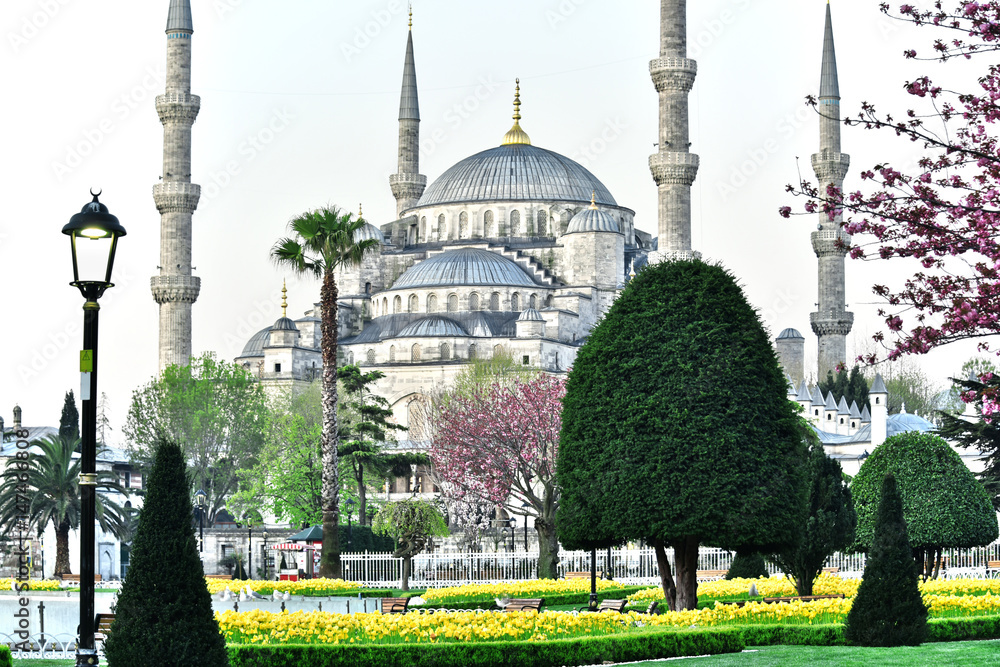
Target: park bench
x=609, y=605
x=525, y=604
x=224, y=577
x=993, y=569
x=803, y=598
x=75, y=578
x=395, y=605
x=102, y=626
x=831, y=570
x=711, y=575
x=651, y=609
x=579, y=575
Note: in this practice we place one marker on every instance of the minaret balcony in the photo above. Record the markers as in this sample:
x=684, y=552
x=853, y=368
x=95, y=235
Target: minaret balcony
x=674, y=168
x=178, y=107
x=832, y=323
x=175, y=289
x=673, y=74
x=831, y=167
x=831, y=240
x=176, y=197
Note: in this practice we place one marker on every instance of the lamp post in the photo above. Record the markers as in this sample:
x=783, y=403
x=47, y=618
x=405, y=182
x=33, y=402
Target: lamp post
x=249, y=548
x=264, y=535
x=93, y=259
x=200, y=498
x=350, y=529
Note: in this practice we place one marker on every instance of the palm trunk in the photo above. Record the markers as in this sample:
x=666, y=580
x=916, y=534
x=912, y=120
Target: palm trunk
x=62, y=550
x=686, y=561
x=666, y=578
x=329, y=565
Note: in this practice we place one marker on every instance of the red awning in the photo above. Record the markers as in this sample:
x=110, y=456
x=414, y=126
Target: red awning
x=291, y=546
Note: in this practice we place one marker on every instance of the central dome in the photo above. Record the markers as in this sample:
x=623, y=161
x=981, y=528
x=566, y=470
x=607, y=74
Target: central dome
x=465, y=266
x=516, y=172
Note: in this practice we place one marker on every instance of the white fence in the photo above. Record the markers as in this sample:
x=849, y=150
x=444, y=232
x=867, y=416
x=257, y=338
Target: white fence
x=631, y=566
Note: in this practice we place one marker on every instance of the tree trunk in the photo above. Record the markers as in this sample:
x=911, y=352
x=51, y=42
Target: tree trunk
x=404, y=583
x=937, y=562
x=666, y=578
x=548, y=548
x=329, y=565
x=359, y=476
x=686, y=562
x=804, y=583
x=62, y=550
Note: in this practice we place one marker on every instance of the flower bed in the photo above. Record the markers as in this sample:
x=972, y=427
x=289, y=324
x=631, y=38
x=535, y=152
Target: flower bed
x=532, y=588
x=307, y=587
x=33, y=585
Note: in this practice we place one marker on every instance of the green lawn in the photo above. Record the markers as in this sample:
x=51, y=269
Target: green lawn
x=947, y=654
x=44, y=663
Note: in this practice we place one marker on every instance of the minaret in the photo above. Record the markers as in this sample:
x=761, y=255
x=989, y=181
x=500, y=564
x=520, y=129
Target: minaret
x=831, y=323
x=674, y=168
x=175, y=289
x=408, y=183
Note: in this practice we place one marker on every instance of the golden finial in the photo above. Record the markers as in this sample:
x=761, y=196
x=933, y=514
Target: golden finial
x=284, y=299
x=593, y=199
x=411, y=16
x=516, y=135
x=361, y=212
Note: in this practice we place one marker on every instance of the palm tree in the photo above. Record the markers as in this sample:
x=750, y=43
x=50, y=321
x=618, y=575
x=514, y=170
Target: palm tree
x=46, y=489
x=323, y=241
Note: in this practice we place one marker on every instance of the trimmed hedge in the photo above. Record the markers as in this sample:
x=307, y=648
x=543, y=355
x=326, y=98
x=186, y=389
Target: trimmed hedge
x=5, y=658
x=583, y=651
x=938, y=630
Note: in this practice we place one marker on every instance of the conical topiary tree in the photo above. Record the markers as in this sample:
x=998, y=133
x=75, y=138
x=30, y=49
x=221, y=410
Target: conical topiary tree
x=747, y=566
x=164, y=613
x=888, y=610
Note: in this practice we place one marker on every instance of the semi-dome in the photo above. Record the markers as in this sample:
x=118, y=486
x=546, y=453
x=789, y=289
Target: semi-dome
x=789, y=333
x=255, y=346
x=592, y=219
x=369, y=231
x=531, y=315
x=515, y=172
x=432, y=326
x=465, y=266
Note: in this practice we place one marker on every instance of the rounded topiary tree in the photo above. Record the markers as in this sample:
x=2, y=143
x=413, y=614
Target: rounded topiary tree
x=945, y=506
x=677, y=429
x=412, y=523
x=888, y=609
x=747, y=566
x=164, y=611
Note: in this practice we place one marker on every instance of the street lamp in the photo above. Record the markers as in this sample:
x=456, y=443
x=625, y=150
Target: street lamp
x=249, y=521
x=264, y=535
x=200, y=499
x=512, y=522
x=93, y=259
x=350, y=529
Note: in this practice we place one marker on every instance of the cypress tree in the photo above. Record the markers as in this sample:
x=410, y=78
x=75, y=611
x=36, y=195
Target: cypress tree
x=747, y=566
x=69, y=420
x=164, y=613
x=888, y=610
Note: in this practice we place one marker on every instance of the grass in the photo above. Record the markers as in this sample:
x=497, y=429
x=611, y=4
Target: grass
x=952, y=654
x=43, y=663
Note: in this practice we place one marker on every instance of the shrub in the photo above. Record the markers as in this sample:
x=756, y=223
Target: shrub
x=164, y=612
x=888, y=609
x=747, y=566
x=5, y=658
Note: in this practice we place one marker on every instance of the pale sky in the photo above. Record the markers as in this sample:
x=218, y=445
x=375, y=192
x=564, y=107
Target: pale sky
x=299, y=107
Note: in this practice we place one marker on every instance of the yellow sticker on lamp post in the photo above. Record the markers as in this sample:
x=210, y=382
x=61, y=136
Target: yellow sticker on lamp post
x=86, y=361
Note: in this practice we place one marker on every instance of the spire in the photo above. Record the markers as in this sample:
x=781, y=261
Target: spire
x=829, y=87
x=409, y=108
x=284, y=299
x=593, y=200
x=516, y=135
x=411, y=16
x=179, y=18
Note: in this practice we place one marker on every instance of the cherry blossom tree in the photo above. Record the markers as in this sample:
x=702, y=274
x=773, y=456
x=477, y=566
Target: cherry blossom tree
x=496, y=442
x=944, y=212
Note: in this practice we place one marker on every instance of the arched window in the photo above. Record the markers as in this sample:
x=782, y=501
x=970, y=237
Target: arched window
x=351, y=359
x=423, y=229
x=432, y=303
x=495, y=301
x=445, y=352
x=533, y=301
x=515, y=223
x=463, y=225
x=371, y=357
x=368, y=288
x=548, y=301
x=564, y=222
x=392, y=353
x=473, y=301
x=385, y=306
x=414, y=303
x=415, y=352
x=541, y=223
x=442, y=231
x=452, y=303
x=472, y=351
x=416, y=420
x=497, y=350
x=515, y=302
x=397, y=304
x=488, y=230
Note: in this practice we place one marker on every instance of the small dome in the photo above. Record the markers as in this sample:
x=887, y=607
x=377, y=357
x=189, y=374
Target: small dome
x=465, y=266
x=592, y=219
x=369, y=231
x=255, y=346
x=531, y=315
x=790, y=333
x=284, y=324
x=432, y=326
